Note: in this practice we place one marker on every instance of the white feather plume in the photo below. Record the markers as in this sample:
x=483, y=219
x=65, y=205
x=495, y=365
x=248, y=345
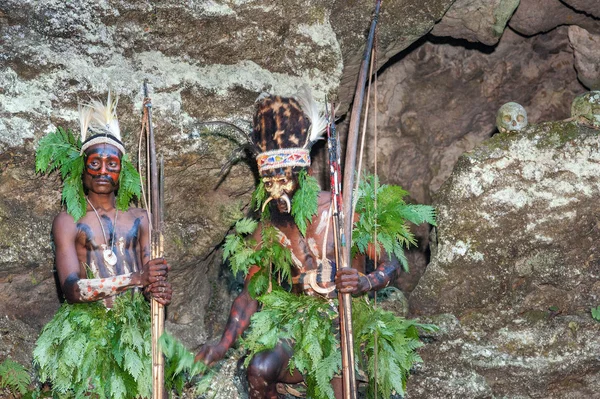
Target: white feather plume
x=318, y=122
x=85, y=117
x=104, y=116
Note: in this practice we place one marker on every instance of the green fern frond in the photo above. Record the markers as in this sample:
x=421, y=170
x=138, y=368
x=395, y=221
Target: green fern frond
x=307, y=322
x=273, y=253
x=246, y=226
x=181, y=366
x=243, y=252
x=14, y=376
x=418, y=214
x=389, y=217
x=60, y=150
x=305, y=200
x=129, y=184
x=259, y=196
x=596, y=313
x=86, y=350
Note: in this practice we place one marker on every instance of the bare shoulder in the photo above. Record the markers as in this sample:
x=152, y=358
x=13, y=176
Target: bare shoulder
x=324, y=199
x=138, y=213
x=63, y=220
x=64, y=226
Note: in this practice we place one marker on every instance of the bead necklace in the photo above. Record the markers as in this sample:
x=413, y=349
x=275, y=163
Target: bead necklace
x=110, y=259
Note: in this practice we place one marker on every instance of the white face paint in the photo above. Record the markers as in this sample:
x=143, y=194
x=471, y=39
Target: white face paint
x=280, y=189
x=511, y=117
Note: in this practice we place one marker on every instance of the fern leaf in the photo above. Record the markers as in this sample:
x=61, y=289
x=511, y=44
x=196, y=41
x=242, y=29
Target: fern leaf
x=389, y=217
x=129, y=184
x=305, y=200
x=596, y=313
x=245, y=226
x=418, y=214
x=14, y=376
x=259, y=196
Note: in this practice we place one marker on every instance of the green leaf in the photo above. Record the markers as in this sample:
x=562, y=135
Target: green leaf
x=388, y=216
x=259, y=196
x=129, y=184
x=596, y=313
x=86, y=350
x=14, y=376
x=245, y=226
x=305, y=200
x=61, y=150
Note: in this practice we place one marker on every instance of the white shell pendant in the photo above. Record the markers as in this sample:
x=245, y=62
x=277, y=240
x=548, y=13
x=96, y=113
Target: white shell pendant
x=109, y=257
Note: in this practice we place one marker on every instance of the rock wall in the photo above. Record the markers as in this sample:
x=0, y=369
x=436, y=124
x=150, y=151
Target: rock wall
x=204, y=60
x=515, y=270
x=438, y=94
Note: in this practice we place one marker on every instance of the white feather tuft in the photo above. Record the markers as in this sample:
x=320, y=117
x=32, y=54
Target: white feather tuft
x=85, y=117
x=104, y=116
x=318, y=122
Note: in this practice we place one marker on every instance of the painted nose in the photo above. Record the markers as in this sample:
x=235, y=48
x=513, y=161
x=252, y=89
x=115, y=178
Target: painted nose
x=276, y=193
x=103, y=169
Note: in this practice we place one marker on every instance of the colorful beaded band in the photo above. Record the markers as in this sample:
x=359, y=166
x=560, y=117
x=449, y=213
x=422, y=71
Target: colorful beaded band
x=282, y=158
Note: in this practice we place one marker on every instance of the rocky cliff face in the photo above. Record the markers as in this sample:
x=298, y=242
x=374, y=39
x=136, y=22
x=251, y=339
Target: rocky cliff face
x=438, y=94
x=515, y=269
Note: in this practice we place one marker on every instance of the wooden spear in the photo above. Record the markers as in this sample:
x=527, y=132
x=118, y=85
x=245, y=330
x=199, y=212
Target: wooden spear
x=345, y=300
x=346, y=341
x=155, y=209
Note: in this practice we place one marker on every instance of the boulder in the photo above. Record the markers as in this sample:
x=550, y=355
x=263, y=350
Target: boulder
x=515, y=264
x=539, y=16
x=586, y=50
x=476, y=20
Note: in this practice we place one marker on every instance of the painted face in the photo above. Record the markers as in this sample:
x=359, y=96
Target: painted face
x=102, y=168
x=276, y=186
x=280, y=188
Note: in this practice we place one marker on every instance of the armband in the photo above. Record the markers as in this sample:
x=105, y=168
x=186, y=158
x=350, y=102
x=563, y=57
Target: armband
x=93, y=288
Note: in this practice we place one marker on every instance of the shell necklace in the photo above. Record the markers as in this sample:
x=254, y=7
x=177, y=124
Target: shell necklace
x=110, y=259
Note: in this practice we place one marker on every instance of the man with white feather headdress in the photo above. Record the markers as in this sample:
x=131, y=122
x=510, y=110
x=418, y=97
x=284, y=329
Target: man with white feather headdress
x=288, y=260
x=102, y=251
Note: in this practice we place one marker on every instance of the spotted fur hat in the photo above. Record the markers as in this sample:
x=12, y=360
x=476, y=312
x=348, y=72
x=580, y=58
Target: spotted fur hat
x=284, y=130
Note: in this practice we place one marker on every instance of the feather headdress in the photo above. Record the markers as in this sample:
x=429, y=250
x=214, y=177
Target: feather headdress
x=63, y=151
x=318, y=121
x=285, y=129
x=101, y=120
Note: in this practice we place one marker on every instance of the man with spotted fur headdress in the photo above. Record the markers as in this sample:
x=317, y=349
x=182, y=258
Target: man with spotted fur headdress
x=102, y=251
x=296, y=216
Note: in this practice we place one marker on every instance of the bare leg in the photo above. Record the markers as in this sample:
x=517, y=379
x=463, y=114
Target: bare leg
x=268, y=368
x=338, y=387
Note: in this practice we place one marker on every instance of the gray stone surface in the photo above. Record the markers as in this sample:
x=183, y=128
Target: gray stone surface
x=401, y=23
x=586, y=49
x=441, y=100
x=586, y=6
x=476, y=20
x=515, y=260
x=540, y=16
x=210, y=59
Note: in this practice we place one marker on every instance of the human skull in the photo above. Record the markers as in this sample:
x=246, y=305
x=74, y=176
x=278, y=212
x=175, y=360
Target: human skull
x=586, y=106
x=511, y=117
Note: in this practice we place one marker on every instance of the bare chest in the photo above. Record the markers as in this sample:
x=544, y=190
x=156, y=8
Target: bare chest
x=105, y=248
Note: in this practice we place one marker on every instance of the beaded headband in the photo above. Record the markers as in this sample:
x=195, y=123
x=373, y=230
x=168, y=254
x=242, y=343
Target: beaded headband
x=282, y=158
x=103, y=139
